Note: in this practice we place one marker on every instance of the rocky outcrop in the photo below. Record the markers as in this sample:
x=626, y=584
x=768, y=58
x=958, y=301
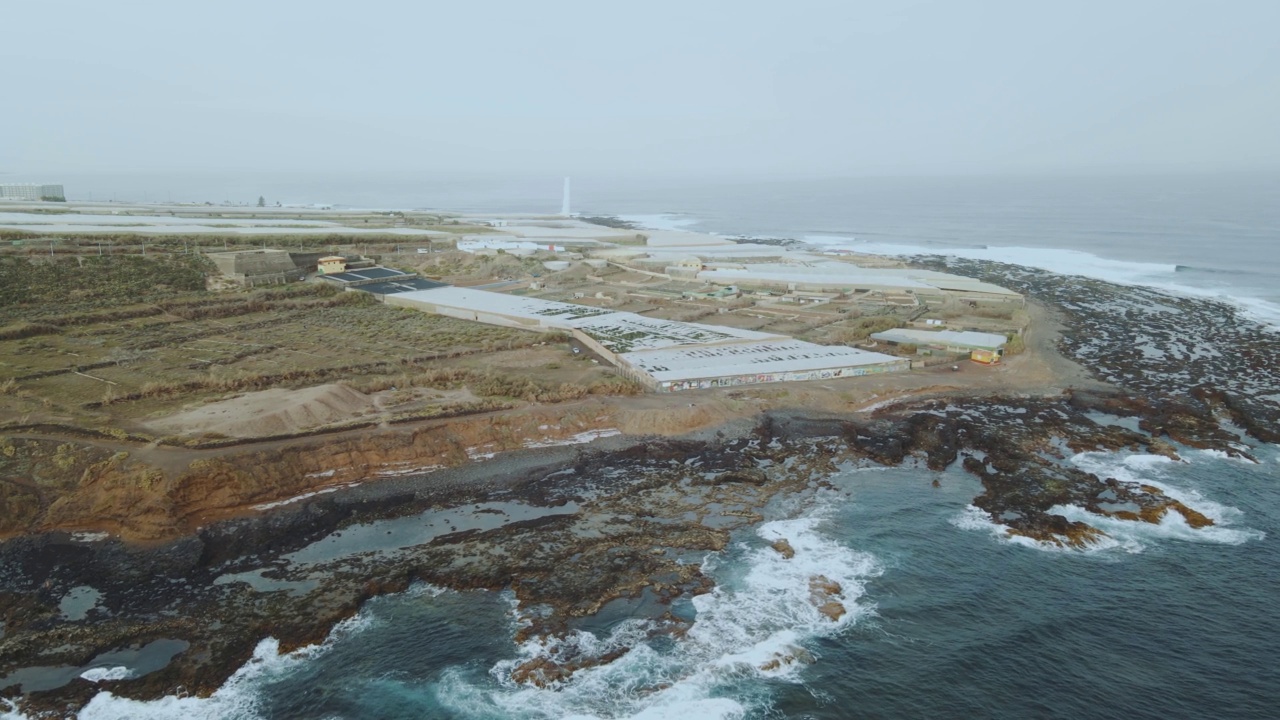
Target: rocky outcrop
x=629, y=523
x=783, y=547
x=824, y=593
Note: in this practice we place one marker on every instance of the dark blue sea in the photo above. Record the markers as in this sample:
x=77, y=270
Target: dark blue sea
x=949, y=617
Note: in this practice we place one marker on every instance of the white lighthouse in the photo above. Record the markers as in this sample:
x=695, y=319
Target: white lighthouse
x=564, y=205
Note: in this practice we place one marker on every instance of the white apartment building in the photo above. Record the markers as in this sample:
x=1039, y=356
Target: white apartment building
x=30, y=191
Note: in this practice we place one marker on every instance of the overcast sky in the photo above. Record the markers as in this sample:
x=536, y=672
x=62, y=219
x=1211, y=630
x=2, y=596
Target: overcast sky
x=747, y=88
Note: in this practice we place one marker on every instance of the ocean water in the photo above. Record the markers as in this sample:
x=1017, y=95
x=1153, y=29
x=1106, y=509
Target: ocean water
x=948, y=616
x=1204, y=235
x=1215, y=235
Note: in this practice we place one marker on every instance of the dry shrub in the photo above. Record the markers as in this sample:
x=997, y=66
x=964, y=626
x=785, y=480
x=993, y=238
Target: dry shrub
x=27, y=329
x=616, y=386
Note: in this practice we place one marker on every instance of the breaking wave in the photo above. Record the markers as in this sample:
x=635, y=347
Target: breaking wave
x=1129, y=535
x=239, y=697
x=753, y=627
x=1161, y=276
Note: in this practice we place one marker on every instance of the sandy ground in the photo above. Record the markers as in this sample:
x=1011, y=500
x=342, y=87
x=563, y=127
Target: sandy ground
x=269, y=412
x=1040, y=370
x=1037, y=371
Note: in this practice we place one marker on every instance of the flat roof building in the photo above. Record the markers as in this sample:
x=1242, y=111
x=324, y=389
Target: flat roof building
x=835, y=276
x=684, y=368
x=331, y=265
x=31, y=191
x=949, y=340
x=662, y=355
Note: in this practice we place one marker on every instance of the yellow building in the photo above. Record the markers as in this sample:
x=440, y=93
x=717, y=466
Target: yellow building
x=986, y=357
x=332, y=264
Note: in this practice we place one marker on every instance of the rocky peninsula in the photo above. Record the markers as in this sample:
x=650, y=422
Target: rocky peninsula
x=185, y=562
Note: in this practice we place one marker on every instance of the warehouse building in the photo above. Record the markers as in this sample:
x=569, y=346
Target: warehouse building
x=662, y=355
x=748, y=363
x=981, y=347
x=837, y=277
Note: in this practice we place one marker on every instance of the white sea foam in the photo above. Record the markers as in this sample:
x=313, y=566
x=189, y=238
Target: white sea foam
x=1129, y=535
x=749, y=620
x=1147, y=470
x=1136, y=536
x=1224, y=455
x=975, y=518
x=237, y=699
x=1162, y=276
x=94, y=675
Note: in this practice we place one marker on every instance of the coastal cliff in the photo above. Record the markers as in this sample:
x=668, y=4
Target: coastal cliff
x=220, y=549
x=141, y=493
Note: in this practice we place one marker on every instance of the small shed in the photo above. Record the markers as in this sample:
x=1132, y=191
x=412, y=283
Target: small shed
x=986, y=357
x=331, y=265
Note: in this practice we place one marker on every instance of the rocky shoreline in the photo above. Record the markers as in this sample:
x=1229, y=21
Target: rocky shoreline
x=571, y=529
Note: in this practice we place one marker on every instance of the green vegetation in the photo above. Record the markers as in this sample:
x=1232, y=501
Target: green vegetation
x=860, y=329
x=492, y=384
x=1015, y=346
x=102, y=279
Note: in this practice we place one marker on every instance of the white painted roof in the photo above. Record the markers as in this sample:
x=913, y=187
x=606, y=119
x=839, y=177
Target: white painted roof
x=179, y=225
x=852, y=277
x=970, y=338
x=618, y=331
x=846, y=275
x=548, y=312
x=749, y=358
x=628, y=332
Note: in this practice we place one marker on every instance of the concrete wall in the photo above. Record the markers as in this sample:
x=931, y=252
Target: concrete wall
x=307, y=261
x=242, y=264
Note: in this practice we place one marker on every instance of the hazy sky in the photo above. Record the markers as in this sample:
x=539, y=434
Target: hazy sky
x=793, y=88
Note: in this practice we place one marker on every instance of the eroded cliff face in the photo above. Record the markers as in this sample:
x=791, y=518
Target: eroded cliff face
x=67, y=485
x=610, y=523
